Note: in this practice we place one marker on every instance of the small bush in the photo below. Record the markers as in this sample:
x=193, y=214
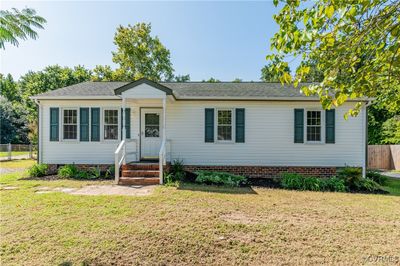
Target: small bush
x=377, y=177
x=351, y=177
x=333, y=184
x=367, y=185
x=38, y=170
x=94, y=173
x=219, y=178
x=69, y=171
x=300, y=182
x=176, y=173
x=110, y=172
x=292, y=181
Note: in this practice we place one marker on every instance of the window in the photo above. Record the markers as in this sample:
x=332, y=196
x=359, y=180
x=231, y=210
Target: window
x=224, y=127
x=70, y=124
x=314, y=126
x=152, y=125
x=110, y=124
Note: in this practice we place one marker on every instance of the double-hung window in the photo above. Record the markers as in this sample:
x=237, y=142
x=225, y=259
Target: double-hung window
x=70, y=124
x=110, y=124
x=224, y=124
x=314, y=126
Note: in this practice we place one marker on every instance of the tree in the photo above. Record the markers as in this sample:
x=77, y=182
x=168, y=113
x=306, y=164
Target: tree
x=268, y=74
x=8, y=88
x=355, y=44
x=15, y=24
x=237, y=80
x=14, y=122
x=141, y=55
x=314, y=74
x=103, y=73
x=211, y=80
x=182, y=78
x=50, y=78
x=391, y=131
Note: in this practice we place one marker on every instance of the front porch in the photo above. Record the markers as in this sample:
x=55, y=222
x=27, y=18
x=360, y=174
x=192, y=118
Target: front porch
x=143, y=134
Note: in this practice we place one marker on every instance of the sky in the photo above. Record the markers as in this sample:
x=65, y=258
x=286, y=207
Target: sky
x=224, y=40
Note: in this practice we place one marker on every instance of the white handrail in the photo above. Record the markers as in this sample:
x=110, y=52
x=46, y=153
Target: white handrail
x=162, y=161
x=119, y=161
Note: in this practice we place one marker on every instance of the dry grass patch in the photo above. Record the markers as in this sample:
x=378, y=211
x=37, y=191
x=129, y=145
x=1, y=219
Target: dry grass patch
x=195, y=225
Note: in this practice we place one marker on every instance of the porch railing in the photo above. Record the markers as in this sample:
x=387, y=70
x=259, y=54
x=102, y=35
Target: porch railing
x=162, y=160
x=120, y=154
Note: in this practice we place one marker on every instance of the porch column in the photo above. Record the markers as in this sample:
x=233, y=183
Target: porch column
x=123, y=119
x=123, y=126
x=164, y=119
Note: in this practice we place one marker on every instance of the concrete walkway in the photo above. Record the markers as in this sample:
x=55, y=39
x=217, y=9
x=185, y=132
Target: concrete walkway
x=16, y=157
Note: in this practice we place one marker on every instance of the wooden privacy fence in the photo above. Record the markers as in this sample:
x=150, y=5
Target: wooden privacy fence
x=384, y=157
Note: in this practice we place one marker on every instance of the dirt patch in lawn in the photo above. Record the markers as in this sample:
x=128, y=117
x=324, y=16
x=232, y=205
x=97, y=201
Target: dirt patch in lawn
x=240, y=218
x=96, y=190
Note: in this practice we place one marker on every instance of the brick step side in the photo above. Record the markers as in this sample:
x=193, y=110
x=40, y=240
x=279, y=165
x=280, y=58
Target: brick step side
x=140, y=173
x=139, y=181
x=141, y=166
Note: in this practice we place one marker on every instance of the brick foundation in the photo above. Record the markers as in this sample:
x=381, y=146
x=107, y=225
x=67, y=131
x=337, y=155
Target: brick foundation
x=266, y=171
x=103, y=167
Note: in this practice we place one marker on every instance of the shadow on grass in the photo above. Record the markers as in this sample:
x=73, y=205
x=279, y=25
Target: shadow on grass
x=216, y=189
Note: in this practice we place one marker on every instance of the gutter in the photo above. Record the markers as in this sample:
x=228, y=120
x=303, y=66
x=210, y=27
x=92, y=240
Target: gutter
x=39, y=145
x=365, y=164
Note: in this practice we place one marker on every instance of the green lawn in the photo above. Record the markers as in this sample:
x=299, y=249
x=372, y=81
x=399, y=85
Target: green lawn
x=193, y=224
x=13, y=153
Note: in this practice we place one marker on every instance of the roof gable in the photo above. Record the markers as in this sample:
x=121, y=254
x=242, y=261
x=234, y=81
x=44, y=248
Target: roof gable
x=141, y=81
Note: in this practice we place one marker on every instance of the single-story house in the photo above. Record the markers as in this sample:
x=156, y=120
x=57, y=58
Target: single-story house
x=255, y=129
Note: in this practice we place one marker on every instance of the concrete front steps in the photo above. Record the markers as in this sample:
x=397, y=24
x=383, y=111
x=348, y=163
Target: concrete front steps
x=140, y=174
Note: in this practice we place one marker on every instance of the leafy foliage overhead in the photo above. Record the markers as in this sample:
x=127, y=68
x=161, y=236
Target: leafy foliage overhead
x=354, y=43
x=268, y=73
x=15, y=24
x=141, y=55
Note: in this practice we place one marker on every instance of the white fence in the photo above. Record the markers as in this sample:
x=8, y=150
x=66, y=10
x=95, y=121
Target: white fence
x=17, y=151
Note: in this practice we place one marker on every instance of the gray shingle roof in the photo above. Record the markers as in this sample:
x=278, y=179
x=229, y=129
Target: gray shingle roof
x=86, y=89
x=232, y=89
x=186, y=90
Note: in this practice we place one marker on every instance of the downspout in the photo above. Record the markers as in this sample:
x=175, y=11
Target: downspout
x=365, y=164
x=39, y=144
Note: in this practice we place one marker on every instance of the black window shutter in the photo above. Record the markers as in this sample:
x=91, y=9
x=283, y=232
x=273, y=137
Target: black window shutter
x=54, y=123
x=240, y=125
x=298, y=125
x=128, y=122
x=122, y=119
x=330, y=126
x=209, y=125
x=84, y=124
x=95, y=124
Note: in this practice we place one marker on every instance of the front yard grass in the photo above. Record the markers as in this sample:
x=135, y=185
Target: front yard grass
x=193, y=224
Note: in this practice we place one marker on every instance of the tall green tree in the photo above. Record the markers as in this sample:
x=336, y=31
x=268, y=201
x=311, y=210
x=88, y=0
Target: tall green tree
x=15, y=25
x=50, y=78
x=14, y=122
x=237, y=80
x=8, y=88
x=182, y=78
x=211, y=80
x=141, y=55
x=314, y=74
x=355, y=43
x=268, y=73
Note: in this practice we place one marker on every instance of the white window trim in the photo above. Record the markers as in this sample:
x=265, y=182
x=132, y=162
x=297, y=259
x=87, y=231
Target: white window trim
x=102, y=124
x=62, y=124
x=233, y=125
x=322, y=141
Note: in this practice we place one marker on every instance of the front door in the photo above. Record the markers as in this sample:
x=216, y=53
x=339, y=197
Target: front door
x=151, y=133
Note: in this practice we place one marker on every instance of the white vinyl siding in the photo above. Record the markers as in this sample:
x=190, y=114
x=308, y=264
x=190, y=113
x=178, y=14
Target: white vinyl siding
x=269, y=135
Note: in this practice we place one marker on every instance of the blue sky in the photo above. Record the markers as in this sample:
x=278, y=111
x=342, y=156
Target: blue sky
x=225, y=40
